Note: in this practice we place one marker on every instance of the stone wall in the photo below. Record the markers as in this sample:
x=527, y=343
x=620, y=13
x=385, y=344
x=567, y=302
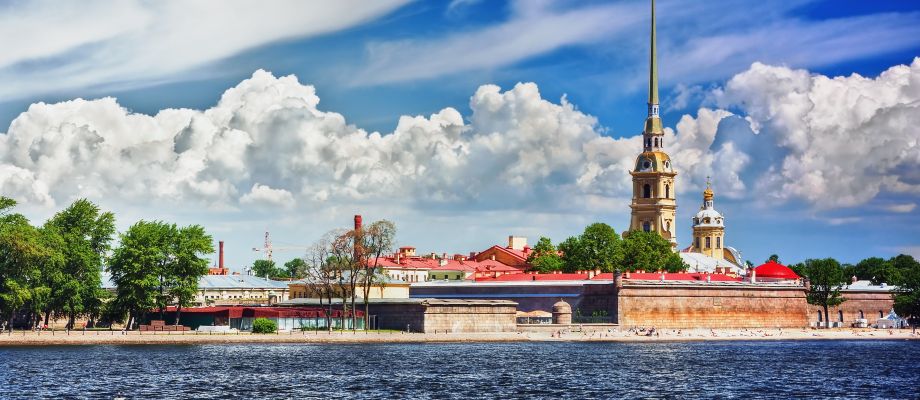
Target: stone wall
x=871, y=304
x=456, y=316
x=471, y=318
x=710, y=306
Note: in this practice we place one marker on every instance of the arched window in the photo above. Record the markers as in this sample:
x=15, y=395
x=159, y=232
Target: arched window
x=647, y=191
x=656, y=142
x=667, y=226
x=718, y=242
x=881, y=314
x=667, y=191
x=697, y=241
x=647, y=226
x=840, y=315
x=861, y=315
x=648, y=143
x=820, y=317
x=708, y=242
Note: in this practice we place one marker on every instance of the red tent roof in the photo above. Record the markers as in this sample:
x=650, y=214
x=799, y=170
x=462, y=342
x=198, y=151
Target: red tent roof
x=772, y=269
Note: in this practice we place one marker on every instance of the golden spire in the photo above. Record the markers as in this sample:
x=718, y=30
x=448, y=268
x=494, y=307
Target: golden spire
x=707, y=194
x=653, y=122
x=653, y=67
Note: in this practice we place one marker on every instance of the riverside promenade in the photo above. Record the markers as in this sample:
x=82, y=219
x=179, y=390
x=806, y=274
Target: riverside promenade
x=573, y=334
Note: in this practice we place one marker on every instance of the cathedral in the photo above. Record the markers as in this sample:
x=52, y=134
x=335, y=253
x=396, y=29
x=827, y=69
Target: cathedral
x=654, y=200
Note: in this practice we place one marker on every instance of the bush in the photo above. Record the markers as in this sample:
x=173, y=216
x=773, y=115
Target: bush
x=264, y=325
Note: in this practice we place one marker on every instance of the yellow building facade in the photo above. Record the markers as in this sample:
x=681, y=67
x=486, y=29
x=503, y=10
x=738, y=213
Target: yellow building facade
x=654, y=201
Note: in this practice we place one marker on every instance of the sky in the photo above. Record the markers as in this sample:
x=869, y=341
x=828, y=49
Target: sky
x=466, y=121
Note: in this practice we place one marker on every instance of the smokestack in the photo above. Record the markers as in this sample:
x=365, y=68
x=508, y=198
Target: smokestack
x=220, y=262
x=358, y=222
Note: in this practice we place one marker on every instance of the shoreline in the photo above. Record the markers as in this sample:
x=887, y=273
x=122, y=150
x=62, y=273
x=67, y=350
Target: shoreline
x=78, y=338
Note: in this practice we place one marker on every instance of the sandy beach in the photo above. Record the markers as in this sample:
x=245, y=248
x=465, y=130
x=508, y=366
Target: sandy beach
x=583, y=334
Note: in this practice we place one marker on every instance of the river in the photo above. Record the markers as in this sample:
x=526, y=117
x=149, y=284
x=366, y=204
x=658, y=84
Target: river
x=770, y=369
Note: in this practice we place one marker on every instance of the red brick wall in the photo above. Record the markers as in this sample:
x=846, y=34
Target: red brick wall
x=699, y=306
x=870, y=303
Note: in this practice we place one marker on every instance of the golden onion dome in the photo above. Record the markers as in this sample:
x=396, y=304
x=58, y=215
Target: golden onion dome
x=707, y=194
x=653, y=161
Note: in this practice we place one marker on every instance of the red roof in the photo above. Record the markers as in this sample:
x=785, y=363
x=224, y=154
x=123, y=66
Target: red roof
x=521, y=277
x=775, y=270
x=680, y=276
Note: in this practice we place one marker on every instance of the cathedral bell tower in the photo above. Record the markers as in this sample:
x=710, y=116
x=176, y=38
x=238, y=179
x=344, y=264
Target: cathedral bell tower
x=654, y=202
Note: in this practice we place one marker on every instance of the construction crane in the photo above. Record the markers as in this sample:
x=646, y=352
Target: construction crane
x=267, y=247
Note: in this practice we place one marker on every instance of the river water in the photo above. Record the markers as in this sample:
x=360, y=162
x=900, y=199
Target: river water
x=743, y=370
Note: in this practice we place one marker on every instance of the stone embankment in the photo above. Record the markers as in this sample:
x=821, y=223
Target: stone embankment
x=572, y=333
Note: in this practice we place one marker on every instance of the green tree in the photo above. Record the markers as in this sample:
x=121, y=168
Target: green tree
x=648, y=251
x=264, y=268
x=87, y=235
x=826, y=279
x=295, y=268
x=156, y=265
x=187, y=265
x=866, y=269
x=598, y=247
x=773, y=258
x=907, y=296
x=21, y=252
x=544, y=257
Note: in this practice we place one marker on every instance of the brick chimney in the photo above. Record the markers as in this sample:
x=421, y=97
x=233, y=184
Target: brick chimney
x=220, y=257
x=358, y=222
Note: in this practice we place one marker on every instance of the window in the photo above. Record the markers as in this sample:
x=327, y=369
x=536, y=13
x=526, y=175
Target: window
x=647, y=191
x=697, y=243
x=667, y=191
x=648, y=143
x=840, y=315
x=881, y=314
x=647, y=226
x=861, y=315
x=708, y=242
x=718, y=242
x=668, y=226
x=820, y=317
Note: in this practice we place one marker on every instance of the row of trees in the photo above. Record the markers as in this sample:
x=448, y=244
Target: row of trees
x=55, y=270
x=600, y=247
x=827, y=277
x=294, y=269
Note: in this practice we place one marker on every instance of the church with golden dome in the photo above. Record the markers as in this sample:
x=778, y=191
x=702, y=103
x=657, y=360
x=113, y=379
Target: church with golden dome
x=654, y=200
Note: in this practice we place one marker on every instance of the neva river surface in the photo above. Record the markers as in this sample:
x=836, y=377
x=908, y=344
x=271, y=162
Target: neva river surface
x=793, y=369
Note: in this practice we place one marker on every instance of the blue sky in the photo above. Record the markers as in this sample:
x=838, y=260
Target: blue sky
x=792, y=190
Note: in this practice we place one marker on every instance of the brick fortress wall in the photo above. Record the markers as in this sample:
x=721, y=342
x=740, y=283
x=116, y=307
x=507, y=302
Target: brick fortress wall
x=707, y=306
x=870, y=303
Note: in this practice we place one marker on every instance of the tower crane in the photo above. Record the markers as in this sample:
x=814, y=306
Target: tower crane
x=267, y=247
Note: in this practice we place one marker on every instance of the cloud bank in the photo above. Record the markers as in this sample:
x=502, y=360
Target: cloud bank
x=774, y=132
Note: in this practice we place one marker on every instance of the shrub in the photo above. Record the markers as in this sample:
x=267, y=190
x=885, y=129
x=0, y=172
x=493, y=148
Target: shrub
x=264, y=325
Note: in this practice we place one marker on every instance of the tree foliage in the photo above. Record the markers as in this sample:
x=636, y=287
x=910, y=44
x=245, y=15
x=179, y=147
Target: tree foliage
x=648, y=251
x=598, y=247
x=544, y=257
x=826, y=279
x=295, y=269
x=264, y=325
x=86, y=234
x=266, y=269
x=158, y=264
